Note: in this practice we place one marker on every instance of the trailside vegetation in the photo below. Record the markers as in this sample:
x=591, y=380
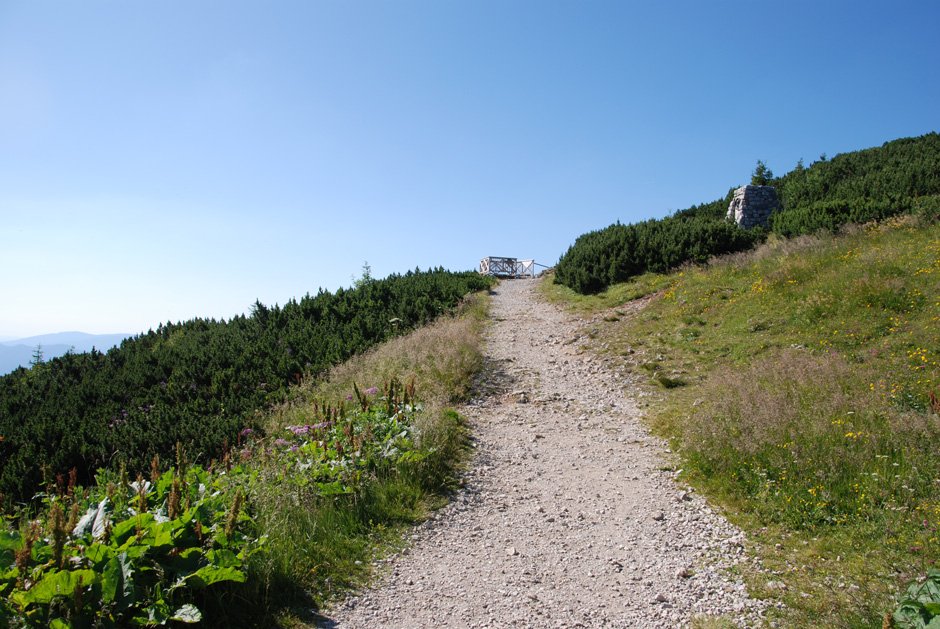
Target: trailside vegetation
x=196, y=383
x=799, y=384
x=858, y=187
x=619, y=252
x=232, y=543
x=315, y=488
x=862, y=186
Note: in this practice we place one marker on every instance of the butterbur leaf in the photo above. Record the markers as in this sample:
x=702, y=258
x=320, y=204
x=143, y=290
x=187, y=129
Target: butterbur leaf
x=162, y=536
x=102, y=519
x=9, y=544
x=156, y=614
x=212, y=574
x=187, y=614
x=123, y=530
x=94, y=521
x=164, y=482
x=223, y=559
x=188, y=562
x=85, y=523
x=136, y=551
x=929, y=591
x=42, y=552
x=10, y=540
x=58, y=583
x=111, y=579
x=932, y=608
x=99, y=554
x=117, y=582
x=910, y=615
x=136, y=486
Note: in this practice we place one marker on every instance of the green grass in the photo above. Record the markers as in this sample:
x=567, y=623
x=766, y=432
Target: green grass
x=318, y=550
x=614, y=296
x=320, y=547
x=306, y=509
x=809, y=371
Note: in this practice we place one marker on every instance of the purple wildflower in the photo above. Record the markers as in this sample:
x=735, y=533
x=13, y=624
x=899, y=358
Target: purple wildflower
x=371, y=391
x=281, y=442
x=349, y=397
x=247, y=431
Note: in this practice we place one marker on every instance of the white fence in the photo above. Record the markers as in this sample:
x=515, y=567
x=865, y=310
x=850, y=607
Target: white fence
x=507, y=267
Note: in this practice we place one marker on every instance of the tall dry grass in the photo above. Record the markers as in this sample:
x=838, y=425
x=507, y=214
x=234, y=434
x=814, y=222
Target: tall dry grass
x=319, y=546
x=773, y=247
x=442, y=358
x=807, y=440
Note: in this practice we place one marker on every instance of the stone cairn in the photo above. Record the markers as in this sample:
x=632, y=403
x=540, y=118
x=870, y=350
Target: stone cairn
x=753, y=205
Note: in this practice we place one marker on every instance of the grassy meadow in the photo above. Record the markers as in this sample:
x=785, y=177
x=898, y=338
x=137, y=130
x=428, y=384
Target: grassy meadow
x=798, y=383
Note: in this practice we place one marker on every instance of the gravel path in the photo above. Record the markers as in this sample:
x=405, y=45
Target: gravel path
x=568, y=518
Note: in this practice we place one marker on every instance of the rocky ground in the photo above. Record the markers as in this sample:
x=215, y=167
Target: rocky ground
x=570, y=516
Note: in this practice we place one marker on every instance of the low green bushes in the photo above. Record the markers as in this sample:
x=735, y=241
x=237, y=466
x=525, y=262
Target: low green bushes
x=902, y=176
x=277, y=519
x=620, y=252
x=197, y=383
x=290, y=513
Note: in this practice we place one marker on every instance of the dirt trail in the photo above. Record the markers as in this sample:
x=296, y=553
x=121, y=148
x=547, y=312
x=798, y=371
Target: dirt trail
x=568, y=518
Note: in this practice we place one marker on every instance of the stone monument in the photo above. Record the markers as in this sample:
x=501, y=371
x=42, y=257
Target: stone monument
x=753, y=205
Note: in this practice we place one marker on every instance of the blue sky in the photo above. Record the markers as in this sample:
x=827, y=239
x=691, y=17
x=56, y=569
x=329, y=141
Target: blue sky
x=166, y=160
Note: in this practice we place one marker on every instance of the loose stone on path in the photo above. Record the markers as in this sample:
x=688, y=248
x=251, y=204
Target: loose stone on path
x=566, y=518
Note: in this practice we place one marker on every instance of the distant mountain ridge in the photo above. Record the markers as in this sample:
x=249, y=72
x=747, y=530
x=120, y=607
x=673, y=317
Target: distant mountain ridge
x=19, y=352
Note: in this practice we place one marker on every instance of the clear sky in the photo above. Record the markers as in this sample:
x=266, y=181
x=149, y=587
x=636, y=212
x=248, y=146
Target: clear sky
x=166, y=160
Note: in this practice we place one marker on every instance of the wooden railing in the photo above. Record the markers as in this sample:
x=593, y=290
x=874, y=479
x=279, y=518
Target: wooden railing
x=507, y=267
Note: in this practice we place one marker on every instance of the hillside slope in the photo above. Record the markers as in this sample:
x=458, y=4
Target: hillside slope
x=800, y=385
x=897, y=177
x=197, y=383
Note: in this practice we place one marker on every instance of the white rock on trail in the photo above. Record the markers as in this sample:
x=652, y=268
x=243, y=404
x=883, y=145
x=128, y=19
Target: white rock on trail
x=609, y=539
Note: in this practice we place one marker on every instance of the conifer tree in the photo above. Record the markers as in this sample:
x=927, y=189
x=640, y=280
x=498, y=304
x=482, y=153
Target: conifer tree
x=37, y=356
x=761, y=175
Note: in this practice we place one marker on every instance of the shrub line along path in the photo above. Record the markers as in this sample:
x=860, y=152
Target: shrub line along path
x=569, y=515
